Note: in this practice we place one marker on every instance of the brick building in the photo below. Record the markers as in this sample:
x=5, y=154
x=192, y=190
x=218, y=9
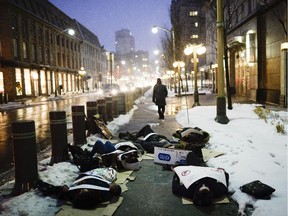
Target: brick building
x=39, y=57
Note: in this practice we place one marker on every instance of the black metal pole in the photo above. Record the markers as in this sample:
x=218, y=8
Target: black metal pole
x=25, y=156
x=59, y=140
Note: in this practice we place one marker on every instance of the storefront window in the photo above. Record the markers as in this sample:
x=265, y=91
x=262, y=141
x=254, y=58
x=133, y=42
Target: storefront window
x=18, y=75
x=250, y=47
x=1, y=82
x=73, y=83
x=43, y=81
x=69, y=83
x=27, y=80
x=48, y=82
x=64, y=83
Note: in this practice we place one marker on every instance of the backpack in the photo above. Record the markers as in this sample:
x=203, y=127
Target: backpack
x=82, y=159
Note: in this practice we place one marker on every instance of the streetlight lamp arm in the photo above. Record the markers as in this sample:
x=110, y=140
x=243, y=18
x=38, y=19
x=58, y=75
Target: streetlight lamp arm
x=164, y=29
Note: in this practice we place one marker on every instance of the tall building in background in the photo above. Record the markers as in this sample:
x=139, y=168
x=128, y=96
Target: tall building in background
x=124, y=41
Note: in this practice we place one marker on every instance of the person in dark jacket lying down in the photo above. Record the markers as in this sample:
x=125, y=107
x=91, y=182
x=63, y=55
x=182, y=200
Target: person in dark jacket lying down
x=200, y=184
x=88, y=190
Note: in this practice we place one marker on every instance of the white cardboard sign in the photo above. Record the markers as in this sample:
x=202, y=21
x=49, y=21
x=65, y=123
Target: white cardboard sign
x=190, y=174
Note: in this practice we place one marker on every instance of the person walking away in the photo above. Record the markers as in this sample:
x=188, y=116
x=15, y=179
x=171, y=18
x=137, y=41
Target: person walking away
x=159, y=94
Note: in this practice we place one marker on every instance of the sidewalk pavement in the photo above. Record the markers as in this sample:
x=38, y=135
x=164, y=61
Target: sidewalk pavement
x=151, y=191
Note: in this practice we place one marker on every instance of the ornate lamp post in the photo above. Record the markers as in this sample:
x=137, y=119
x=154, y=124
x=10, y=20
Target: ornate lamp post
x=82, y=73
x=155, y=30
x=179, y=65
x=221, y=100
x=195, y=49
x=70, y=32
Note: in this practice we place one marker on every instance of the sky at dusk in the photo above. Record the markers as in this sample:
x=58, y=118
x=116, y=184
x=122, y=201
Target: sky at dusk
x=105, y=17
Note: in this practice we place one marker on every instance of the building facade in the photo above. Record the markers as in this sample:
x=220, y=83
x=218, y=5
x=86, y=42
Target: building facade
x=255, y=32
x=39, y=57
x=256, y=62
x=124, y=42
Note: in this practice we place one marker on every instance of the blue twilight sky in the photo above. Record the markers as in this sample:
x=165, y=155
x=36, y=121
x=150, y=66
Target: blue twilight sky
x=105, y=17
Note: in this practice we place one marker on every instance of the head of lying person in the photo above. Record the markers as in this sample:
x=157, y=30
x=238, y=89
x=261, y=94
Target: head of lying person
x=88, y=198
x=203, y=196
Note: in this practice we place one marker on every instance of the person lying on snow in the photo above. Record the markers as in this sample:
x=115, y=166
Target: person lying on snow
x=200, y=184
x=88, y=190
x=122, y=155
x=146, y=138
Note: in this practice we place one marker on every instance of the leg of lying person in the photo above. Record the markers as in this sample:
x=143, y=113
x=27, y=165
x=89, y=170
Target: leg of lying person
x=99, y=147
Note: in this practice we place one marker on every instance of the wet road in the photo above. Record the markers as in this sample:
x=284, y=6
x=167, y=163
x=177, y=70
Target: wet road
x=39, y=112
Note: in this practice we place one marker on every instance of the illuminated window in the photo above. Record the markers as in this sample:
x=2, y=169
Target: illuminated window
x=43, y=81
x=193, y=13
x=18, y=81
x=27, y=80
x=194, y=36
x=250, y=46
x=196, y=24
x=1, y=82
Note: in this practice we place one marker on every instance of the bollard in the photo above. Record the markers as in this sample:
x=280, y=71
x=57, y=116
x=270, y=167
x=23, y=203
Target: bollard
x=121, y=103
x=91, y=108
x=59, y=140
x=109, y=108
x=25, y=156
x=115, y=106
x=5, y=98
x=102, y=109
x=79, y=125
x=1, y=98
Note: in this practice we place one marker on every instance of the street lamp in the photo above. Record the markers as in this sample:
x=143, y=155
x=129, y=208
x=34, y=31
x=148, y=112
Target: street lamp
x=155, y=30
x=82, y=73
x=179, y=64
x=70, y=32
x=221, y=100
x=195, y=49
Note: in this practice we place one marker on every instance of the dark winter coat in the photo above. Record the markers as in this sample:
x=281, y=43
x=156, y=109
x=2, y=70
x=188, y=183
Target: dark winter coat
x=159, y=94
x=218, y=189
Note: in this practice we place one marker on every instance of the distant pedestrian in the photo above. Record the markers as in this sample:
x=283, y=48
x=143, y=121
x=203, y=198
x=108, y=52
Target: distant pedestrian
x=159, y=94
